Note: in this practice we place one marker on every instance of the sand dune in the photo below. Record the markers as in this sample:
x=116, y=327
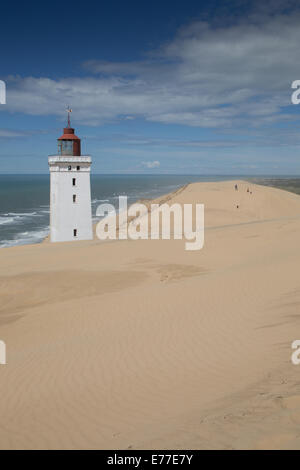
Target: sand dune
x=141, y=344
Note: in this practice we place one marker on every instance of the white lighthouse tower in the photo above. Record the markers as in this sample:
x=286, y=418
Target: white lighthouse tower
x=70, y=190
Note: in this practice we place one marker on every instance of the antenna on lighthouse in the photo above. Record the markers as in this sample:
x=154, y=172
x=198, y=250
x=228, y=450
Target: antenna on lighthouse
x=69, y=110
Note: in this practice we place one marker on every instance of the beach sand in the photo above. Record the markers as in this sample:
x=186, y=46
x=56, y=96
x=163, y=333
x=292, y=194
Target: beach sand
x=142, y=344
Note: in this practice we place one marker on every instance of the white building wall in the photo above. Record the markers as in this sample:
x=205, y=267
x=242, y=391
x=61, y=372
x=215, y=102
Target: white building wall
x=66, y=215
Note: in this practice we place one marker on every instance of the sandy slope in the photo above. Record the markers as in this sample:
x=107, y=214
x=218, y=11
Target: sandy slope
x=141, y=344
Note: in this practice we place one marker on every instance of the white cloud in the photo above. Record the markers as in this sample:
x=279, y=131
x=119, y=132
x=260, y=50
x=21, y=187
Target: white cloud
x=8, y=133
x=224, y=77
x=154, y=164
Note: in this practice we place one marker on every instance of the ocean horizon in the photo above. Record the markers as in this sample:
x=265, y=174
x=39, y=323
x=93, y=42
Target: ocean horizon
x=25, y=209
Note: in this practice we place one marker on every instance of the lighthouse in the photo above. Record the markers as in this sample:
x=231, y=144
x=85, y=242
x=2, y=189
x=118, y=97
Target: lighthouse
x=70, y=190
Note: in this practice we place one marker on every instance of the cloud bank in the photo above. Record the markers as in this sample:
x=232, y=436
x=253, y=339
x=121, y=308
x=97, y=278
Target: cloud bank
x=230, y=77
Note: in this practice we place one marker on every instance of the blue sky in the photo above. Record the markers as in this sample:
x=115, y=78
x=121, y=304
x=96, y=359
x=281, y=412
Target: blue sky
x=155, y=87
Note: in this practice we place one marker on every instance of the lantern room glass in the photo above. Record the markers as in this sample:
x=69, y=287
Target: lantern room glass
x=65, y=147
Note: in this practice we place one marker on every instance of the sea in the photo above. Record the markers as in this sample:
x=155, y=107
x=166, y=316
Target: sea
x=24, y=199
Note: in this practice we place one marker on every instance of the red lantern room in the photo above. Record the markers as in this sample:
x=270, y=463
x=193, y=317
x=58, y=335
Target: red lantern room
x=69, y=144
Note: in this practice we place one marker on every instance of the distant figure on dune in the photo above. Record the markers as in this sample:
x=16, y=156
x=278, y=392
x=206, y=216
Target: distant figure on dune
x=236, y=187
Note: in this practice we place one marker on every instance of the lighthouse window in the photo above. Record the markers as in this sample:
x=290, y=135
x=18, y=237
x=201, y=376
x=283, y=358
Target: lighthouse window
x=74, y=181
x=66, y=147
x=75, y=232
x=74, y=197
x=78, y=168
